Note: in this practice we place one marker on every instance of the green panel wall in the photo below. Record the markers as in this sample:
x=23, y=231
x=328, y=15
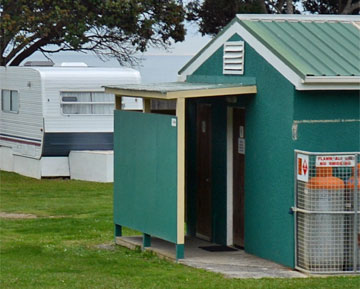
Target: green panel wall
x=327, y=122
x=269, y=156
x=270, y=115
x=145, y=173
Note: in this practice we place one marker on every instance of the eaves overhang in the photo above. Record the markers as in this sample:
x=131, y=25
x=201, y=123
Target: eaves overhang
x=332, y=79
x=175, y=90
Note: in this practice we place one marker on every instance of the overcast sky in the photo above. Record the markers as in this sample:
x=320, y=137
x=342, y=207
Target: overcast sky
x=192, y=44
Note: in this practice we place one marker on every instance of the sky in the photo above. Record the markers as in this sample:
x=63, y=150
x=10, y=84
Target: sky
x=154, y=67
x=190, y=46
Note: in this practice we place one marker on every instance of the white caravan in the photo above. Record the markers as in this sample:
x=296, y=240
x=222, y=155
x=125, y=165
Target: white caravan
x=47, y=112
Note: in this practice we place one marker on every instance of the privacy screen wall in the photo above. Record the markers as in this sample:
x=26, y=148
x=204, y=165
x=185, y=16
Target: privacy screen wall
x=145, y=180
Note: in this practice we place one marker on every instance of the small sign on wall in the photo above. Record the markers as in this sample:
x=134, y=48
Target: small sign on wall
x=241, y=131
x=241, y=145
x=303, y=168
x=335, y=161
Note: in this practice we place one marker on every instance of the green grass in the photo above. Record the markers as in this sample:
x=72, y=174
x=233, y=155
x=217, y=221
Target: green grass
x=59, y=249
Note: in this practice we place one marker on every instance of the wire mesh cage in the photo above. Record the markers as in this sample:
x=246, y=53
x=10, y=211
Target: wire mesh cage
x=326, y=212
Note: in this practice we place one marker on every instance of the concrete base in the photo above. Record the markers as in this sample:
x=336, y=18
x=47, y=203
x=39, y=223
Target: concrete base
x=31, y=167
x=45, y=167
x=96, y=166
x=55, y=167
x=234, y=264
x=6, y=159
x=27, y=167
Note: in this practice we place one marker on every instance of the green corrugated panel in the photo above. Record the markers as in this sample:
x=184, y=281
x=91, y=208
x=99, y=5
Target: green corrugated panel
x=311, y=48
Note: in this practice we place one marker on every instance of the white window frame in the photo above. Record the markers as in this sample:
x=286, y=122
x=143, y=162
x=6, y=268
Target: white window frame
x=92, y=103
x=11, y=100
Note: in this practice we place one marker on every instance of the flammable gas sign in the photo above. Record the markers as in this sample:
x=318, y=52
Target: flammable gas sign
x=335, y=161
x=303, y=167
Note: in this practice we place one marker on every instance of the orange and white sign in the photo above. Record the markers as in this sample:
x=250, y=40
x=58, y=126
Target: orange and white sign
x=303, y=167
x=335, y=161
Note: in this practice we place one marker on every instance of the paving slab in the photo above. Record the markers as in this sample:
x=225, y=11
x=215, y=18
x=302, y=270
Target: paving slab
x=232, y=264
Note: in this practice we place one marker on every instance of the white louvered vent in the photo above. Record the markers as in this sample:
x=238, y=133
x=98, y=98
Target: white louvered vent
x=233, y=57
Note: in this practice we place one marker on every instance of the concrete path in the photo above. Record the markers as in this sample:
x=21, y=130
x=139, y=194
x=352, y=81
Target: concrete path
x=233, y=264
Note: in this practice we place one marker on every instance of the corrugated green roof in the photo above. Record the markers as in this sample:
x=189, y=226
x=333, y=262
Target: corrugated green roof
x=311, y=48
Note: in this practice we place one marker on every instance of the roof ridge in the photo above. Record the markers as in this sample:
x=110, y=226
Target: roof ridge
x=300, y=17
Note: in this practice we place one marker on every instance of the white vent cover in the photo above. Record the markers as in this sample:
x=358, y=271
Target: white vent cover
x=233, y=57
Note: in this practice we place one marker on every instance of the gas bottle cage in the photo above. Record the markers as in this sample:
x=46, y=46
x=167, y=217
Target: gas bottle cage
x=326, y=212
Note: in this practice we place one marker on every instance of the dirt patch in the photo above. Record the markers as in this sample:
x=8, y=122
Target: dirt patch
x=27, y=216
x=109, y=247
x=55, y=217
x=17, y=216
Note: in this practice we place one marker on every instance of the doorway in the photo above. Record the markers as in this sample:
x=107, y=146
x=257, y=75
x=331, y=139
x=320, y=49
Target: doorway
x=204, y=195
x=238, y=165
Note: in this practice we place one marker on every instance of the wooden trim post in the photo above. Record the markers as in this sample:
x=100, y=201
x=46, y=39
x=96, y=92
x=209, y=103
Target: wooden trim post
x=118, y=102
x=146, y=105
x=180, y=113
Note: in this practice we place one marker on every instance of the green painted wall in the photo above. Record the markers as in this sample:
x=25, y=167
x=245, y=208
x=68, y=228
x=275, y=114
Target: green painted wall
x=269, y=156
x=342, y=108
x=145, y=173
x=270, y=115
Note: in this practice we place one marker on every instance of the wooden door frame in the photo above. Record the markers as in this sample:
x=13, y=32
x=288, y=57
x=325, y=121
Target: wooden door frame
x=230, y=175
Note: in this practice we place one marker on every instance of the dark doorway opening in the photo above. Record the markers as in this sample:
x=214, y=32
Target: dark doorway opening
x=204, y=216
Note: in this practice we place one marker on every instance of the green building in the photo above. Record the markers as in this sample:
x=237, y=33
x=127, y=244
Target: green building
x=225, y=164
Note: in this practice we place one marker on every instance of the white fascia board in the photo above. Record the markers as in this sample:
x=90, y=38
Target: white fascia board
x=181, y=77
x=261, y=49
x=333, y=79
x=328, y=86
x=296, y=17
x=330, y=83
x=269, y=56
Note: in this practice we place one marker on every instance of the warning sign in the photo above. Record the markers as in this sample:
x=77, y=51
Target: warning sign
x=303, y=167
x=335, y=161
x=241, y=145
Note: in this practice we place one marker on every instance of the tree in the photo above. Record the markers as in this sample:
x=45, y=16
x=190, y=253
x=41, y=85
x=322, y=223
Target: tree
x=332, y=6
x=111, y=28
x=213, y=15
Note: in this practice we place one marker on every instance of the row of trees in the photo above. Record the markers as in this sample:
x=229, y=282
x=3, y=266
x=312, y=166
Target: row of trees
x=120, y=28
x=213, y=15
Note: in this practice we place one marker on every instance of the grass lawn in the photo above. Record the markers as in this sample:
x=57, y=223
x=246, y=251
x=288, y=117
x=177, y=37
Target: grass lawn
x=69, y=245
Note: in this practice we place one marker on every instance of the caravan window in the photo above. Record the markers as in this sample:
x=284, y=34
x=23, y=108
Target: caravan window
x=9, y=100
x=87, y=103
